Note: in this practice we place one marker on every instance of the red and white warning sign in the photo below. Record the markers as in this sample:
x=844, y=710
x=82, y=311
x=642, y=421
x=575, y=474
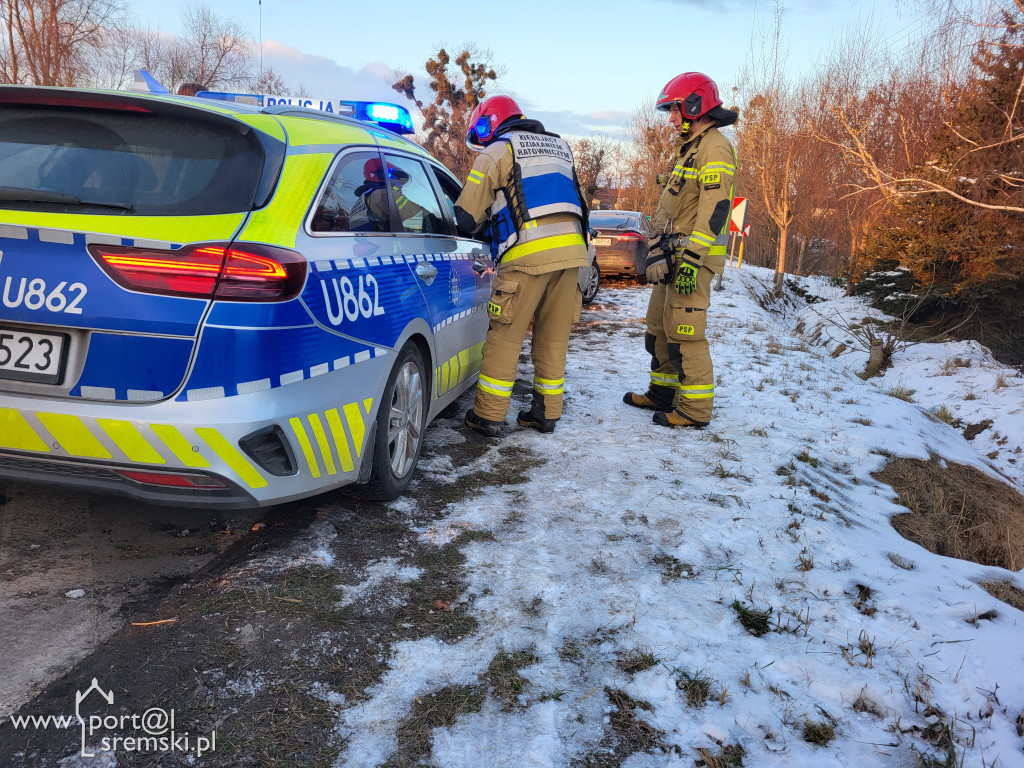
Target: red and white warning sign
x=739, y=216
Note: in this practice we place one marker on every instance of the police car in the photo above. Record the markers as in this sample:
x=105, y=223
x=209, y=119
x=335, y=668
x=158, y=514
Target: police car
x=206, y=302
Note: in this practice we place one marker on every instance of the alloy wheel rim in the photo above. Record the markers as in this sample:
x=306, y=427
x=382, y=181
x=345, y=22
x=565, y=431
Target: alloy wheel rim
x=405, y=422
x=592, y=282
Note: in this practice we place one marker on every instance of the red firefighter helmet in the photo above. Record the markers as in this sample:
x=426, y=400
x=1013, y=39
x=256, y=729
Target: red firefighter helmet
x=694, y=92
x=488, y=115
x=373, y=170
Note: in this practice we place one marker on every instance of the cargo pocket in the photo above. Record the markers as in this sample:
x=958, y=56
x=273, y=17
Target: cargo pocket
x=687, y=320
x=501, y=307
x=578, y=307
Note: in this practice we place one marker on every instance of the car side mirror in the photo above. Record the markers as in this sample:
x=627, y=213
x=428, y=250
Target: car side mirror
x=593, y=232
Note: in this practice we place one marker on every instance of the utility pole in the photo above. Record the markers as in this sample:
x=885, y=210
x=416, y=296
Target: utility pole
x=261, y=39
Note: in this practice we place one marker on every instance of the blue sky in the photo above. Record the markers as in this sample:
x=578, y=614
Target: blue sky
x=579, y=66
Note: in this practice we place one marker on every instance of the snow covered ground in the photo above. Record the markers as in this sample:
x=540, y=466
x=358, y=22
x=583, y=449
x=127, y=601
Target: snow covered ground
x=621, y=564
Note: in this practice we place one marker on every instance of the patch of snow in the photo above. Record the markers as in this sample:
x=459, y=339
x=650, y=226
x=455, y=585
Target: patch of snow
x=379, y=574
x=632, y=537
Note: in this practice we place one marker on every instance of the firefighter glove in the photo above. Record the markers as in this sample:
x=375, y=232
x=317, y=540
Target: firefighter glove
x=686, y=278
x=657, y=267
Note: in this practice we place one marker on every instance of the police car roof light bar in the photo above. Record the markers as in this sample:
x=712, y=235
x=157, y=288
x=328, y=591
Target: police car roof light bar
x=391, y=117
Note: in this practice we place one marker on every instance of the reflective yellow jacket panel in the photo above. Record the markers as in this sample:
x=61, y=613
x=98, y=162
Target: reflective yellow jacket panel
x=697, y=197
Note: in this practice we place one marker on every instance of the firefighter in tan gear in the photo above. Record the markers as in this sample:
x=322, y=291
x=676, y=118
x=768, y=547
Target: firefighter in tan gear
x=523, y=196
x=372, y=211
x=691, y=233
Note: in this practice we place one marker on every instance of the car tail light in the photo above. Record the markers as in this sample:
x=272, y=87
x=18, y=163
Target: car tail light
x=174, y=480
x=630, y=236
x=243, y=272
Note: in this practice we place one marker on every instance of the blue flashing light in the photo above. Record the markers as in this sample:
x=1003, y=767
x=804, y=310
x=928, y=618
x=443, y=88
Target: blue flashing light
x=386, y=112
x=391, y=117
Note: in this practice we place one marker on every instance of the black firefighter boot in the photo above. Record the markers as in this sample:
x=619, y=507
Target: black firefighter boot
x=676, y=418
x=654, y=399
x=534, y=416
x=482, y=425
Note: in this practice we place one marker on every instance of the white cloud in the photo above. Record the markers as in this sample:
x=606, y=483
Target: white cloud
x=324, y=78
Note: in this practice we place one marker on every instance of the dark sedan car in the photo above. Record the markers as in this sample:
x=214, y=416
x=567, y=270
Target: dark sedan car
x=621, y=242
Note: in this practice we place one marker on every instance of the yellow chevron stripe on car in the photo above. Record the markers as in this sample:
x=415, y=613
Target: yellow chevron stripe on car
x=230, y=456
x=355, y=426
x=278, y=223
x=132, y=444
x=445, y=376
x=73, y=436
x=179, y=446
x=464, y=372
x=340, y=440
x=321, y=441
x=307, y=447
x=171, y=229
x=17, y=433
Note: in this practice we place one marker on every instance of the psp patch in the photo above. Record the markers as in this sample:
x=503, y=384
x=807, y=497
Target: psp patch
x=684, y=330
x=494, y=309
x=711, y=180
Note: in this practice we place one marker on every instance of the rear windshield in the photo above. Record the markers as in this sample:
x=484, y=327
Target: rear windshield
x=613, y=220
x=98, y=161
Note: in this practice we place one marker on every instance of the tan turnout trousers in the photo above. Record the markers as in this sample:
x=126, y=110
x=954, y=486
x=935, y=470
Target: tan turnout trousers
x=552, y=300
x=681, y=357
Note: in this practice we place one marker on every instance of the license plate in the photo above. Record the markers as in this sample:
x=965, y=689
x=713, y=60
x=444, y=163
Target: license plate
x=30, y=356
x=602, y=241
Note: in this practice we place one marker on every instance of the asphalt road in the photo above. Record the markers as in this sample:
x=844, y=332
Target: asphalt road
x=72, y=565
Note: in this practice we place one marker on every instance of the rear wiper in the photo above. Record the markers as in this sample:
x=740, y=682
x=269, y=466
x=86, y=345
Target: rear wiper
x=27, y=195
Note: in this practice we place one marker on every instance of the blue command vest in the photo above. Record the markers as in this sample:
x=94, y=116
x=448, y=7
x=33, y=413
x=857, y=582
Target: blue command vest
x=543, y=182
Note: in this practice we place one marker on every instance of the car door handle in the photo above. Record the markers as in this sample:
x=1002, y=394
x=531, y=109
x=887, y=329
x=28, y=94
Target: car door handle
x=426, y=272
x=479, y=267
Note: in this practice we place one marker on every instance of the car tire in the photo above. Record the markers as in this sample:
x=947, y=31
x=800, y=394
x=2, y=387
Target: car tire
x=592, y=285
x=401, y=420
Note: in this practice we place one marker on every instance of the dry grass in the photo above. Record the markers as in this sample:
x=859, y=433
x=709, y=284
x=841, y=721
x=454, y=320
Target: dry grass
x=902, y=392
x=728, y=756
x=503, y=678
x=943, y=414
x=952, y=365
x=958, y=511
x=819, y=732
x=1005, y=591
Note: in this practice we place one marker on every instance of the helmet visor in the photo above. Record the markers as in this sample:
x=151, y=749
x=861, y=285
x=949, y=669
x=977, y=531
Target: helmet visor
x=481, y=130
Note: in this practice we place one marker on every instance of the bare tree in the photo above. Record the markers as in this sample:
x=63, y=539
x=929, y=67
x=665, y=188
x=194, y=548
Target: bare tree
x=592, y=156
x=446, y=118
x=885, y=121
x=771, y=140
x=269, y=82
x=54, y=42
x=211, y=50
x=652, y=142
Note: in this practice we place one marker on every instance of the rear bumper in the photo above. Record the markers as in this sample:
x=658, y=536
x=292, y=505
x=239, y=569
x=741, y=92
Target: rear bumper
x=620, y=261
x=323, y=424
x=81, y=475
